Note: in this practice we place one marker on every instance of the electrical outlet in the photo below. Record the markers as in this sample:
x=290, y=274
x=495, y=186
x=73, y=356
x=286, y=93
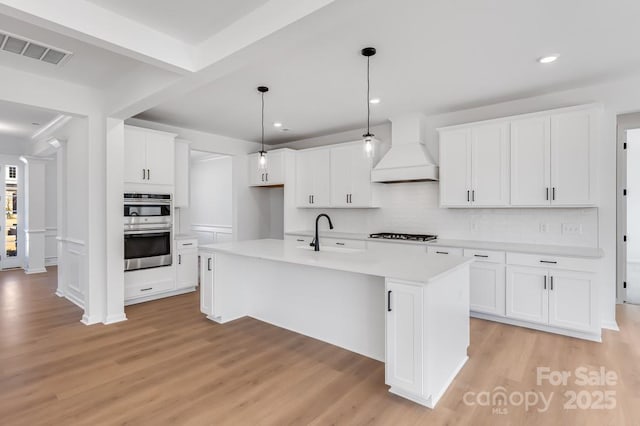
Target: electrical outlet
x=474, y=227
x=544, y=228
x=571, y=228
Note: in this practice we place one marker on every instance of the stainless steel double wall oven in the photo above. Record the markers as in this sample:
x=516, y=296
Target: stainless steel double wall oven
x=148, y=228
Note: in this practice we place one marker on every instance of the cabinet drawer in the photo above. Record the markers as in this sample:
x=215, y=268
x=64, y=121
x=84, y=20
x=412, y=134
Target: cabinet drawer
x=454, y=251
x=187, y=244
x=486, y=255
x=142, y=290
x=300, y=239
x=351, y=244
x=552, y=262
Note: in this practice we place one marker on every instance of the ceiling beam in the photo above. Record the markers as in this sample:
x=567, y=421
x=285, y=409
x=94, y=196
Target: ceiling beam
x=102, y=28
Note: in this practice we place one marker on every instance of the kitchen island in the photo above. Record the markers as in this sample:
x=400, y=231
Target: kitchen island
x=410, y=312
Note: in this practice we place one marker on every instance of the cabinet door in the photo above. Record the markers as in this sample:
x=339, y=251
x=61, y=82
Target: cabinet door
x=160, y=159
x=181, y=192
x=187, y=269
x=256, y=174
x=530, y=162
x=275, y=168
x=342, y=175
x=527, y=295
x=135, y=156
x=455, y=168
x=321, y=160
x=490, y=165
x=404, y=368
x=361, y=186
x=206, y=284
x=572, y=300
x=304, y=177
x=572, y=158
x=487, y=293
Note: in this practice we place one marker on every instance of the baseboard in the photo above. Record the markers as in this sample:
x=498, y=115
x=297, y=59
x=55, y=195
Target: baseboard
x=59, y=292
x=112, y=319
x=89, y=320
x=35, y=271
x=71, y=298
x=594, y=337
x=51, y=261
x=610, y=325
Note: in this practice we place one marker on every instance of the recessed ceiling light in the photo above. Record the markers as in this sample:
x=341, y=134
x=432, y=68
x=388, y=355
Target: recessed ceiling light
x=277, y=124
x=548, y=59
x=374, y=101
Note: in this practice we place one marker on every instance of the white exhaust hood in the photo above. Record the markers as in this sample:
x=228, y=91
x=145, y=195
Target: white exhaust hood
x=408, y=159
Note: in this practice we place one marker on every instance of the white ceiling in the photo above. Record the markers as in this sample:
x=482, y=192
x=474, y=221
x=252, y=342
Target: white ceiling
x=89, y=66
x=433, y=56
x=191, y=21
x=17, y=120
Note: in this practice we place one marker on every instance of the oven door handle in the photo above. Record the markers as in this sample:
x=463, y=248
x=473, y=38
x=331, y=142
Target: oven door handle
x=155, y=231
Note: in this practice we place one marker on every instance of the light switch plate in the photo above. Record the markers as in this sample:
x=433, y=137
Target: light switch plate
x=544, y=228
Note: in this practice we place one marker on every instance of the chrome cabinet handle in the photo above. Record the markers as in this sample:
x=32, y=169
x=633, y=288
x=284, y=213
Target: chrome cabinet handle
x=209, y=264
x=468, y=199
x=481, y=255
x=545, y=282
x=146, y=289
x=553, y=262
x=553, y=193
x=547, y=193
x=551, y=282
x=179, y=259
x=442, y=252
x=473, y=195
x=144, y=174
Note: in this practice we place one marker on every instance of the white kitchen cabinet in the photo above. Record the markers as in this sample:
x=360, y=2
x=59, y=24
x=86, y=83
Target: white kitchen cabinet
x=351, y=184
x=487, y=292
x=572, y=300
x=271, y=175
x=207, y=282
x=445, y=251
x=149, y=156
x=572, y=158
x=531, y=161
x=404, y=367
x=187, y=263
x=474, y=166
x=560, y=298
x=313, y=178
x=182, y=168
x=455, y=168
x=527, y=296
x=490, y=165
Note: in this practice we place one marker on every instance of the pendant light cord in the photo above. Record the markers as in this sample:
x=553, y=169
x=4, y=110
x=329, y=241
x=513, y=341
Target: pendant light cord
x=368, y=96
x=262, y=122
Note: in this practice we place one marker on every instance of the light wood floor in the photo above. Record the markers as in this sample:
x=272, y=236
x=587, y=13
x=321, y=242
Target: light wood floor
x=168, y=365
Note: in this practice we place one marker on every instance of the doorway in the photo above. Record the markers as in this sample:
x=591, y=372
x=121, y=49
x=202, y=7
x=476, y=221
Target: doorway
x=11, y=240
x=632, y=293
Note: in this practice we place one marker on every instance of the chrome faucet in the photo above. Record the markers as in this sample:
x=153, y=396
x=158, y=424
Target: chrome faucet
x=316, y=242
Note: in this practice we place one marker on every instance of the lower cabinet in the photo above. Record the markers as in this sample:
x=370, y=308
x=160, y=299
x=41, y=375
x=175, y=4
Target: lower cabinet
x=565, y=299
x=404, y=336
x=207, y=261
x=187, y=269
x=487, y=292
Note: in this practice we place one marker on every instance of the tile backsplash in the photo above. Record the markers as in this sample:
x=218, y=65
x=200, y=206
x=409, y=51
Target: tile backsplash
x=413, y=208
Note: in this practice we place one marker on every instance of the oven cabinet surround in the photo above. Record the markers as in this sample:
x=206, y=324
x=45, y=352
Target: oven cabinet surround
x=182, y=168
x=149, y=156
x=274, y=173
x=336, y=176
x=544, y=159
x=411, y=312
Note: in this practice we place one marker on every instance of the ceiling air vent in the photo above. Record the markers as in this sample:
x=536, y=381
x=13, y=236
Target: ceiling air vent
x=32, y=49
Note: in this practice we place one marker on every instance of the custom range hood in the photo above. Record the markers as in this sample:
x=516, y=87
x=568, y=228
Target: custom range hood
x=408, y=159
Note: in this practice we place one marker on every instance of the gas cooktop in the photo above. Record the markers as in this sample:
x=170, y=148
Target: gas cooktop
x=406, y=237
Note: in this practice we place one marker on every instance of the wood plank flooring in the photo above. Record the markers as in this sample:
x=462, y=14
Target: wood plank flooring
x=169, y=365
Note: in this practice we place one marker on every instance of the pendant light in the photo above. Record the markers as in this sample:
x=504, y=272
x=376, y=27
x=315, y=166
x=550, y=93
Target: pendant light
x=262, y=162
x=368, y=52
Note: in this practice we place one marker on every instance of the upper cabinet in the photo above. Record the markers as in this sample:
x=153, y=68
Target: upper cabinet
x=351, y=177
x=535, y=160
x=149, y=156
x=474, y=166
x=313, y=178
x=271, y=175
x=337, y=176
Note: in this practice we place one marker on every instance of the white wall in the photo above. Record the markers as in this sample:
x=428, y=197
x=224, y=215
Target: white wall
x=211, y=192
x=633, y=195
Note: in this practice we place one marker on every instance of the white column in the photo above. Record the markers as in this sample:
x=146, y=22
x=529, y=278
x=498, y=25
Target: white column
x=35, y=227
x=61, y=176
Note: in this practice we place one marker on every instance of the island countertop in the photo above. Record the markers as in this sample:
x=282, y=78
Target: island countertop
x=419, y=268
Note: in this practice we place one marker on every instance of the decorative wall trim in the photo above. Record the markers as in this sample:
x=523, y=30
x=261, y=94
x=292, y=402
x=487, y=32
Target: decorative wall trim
x=212, y=233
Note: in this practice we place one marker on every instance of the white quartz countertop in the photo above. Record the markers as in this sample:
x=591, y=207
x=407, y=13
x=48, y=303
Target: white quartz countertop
x=420, y=268
x=552, y=250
